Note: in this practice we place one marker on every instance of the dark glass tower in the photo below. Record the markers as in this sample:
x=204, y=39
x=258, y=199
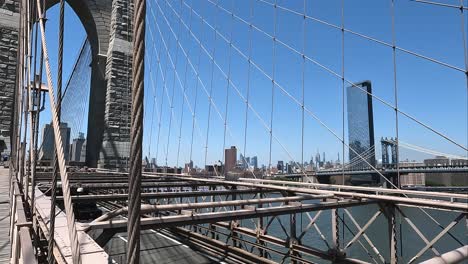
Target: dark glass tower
x=360, y=126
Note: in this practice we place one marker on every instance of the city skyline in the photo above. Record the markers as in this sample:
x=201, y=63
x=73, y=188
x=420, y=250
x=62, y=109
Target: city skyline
x=255, y=131
x=322, y=93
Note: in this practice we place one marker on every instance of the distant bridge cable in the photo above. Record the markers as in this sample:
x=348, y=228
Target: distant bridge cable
x=430, y=151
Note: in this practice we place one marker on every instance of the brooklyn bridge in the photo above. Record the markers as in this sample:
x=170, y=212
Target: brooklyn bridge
x=224, y=131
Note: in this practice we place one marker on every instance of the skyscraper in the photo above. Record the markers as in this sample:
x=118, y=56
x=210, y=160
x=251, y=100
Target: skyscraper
x=280, y=166
x=77, y=148
x=230, y=159
x=360, y=125
x=48, y=141
x=254, y=162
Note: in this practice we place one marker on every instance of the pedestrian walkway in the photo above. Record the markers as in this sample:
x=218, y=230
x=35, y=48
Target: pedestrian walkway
x=4, y=217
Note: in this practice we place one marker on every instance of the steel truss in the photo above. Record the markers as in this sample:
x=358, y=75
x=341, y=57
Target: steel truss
x=244, y=221
x=257, y=221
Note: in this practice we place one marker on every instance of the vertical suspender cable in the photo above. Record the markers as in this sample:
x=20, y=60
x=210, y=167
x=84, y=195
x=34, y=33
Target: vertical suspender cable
x=247, y=97
x=343, y=94
x=273, y=83
x=26, y=100
x=29, y=116
x=465, y=52
x=210, y=98
x=164, y=90
x=227, y=86
x=183, y=101
x=154, y=99
x=55, y=173
x=171, y=102
x=35, y=107
x=304, y=23
x=20, y=95
x=196, y=100
x=134, y=184
x=395, y=92
x=395, y=246
x=37, y=85
x=14, y=145
x=154, y=83
x=34, y=112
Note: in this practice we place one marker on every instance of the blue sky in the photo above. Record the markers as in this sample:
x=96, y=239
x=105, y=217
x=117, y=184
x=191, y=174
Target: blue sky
x=433, y=94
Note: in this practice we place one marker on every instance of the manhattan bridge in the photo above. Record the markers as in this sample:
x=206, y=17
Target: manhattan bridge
x=198, y=131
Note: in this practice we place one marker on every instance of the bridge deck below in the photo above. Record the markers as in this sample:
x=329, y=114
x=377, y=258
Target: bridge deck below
x=155, y=248
x=4, y=217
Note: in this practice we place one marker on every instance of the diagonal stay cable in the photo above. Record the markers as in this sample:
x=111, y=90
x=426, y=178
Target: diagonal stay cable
x=270, y=129
x=366, y=37
x=171, y=105
x=163, y=91
x=414, y=119
x=309, y=112
x=202, y=47
x=163, y=74
x=210, y=97
x=227, y=84
x=336, y=74
x=72, y=231
x=461, y=7
x=267, y=127
x=248, y=78
x=183, y=104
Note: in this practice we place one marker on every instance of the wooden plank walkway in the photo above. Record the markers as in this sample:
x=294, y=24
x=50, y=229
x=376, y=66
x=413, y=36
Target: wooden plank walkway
x=90, y=251
x=4, y=217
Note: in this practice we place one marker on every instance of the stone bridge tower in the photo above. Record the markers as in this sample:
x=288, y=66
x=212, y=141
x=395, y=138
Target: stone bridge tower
x=9, y=28
x=109, y=31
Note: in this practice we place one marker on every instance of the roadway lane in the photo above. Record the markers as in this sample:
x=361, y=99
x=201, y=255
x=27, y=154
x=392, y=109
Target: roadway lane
x=155, y=248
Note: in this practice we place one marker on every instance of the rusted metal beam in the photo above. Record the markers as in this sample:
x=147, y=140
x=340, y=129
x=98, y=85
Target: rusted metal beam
x=362, y=231
x=436, y=238
x=362, y=189
x=160, y=195
x=299, y=248
x=147, y=208
x=320, y=186
x=455, y=256
x=107, y=186
x=212, y=217
x=384, y=198
x=222, y=248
